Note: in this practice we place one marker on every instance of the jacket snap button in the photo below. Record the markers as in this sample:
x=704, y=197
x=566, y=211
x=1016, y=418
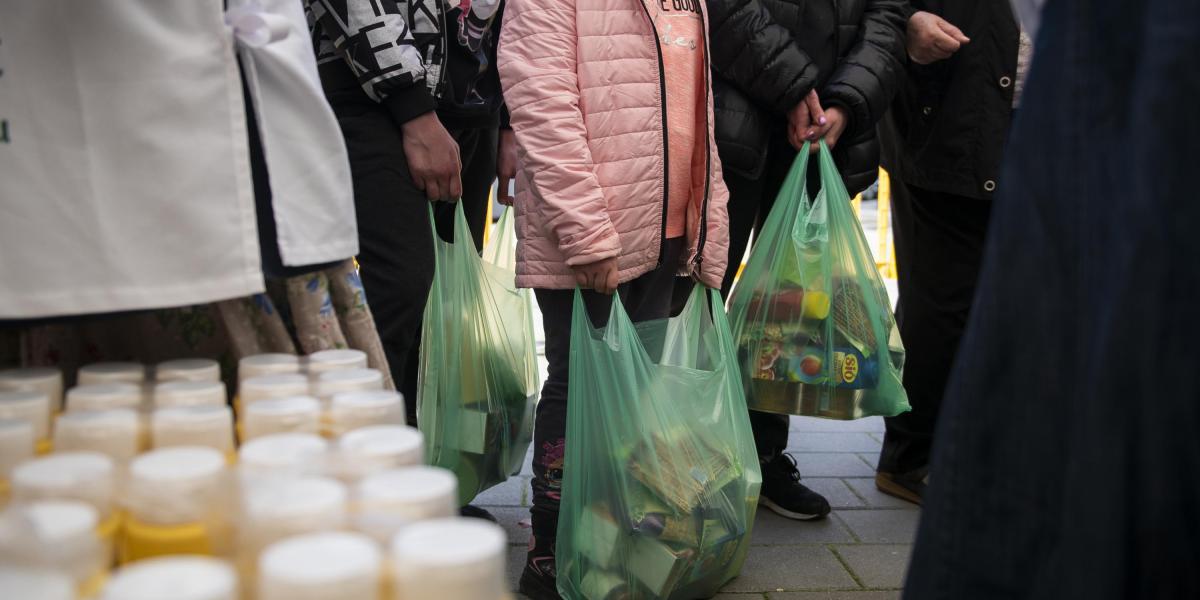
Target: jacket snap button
x=989, y=185
x=1005, y=81
x=927, y=110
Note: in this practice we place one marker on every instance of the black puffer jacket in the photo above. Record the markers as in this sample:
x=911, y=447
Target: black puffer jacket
x=768, y=54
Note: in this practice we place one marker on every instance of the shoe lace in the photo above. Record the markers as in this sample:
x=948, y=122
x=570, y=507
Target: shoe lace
x=787, y=463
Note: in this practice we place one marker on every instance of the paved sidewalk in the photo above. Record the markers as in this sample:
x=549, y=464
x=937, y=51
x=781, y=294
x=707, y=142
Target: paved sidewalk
x=859, y=553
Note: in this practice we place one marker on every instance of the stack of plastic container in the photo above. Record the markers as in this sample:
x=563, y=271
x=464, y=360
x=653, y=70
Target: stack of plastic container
x=32, y=406
x=89, y=477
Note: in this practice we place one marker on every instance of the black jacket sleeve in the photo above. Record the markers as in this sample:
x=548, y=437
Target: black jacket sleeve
x=757, y=55
x=867, y=77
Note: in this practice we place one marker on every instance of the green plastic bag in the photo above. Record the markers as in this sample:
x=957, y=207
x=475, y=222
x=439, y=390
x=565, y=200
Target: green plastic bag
x=811, y=316
x=478, y=378
x=661, y=478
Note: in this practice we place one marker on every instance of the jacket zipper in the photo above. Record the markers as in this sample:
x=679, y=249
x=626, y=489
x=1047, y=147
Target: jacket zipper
x=662, y=101
x=707, y=146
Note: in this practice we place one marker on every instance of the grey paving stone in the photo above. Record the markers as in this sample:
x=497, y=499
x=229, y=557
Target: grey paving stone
x=508, y=493
x=882, y=526
x=516, y=562
x=832, y=464
x=772, y=529
x=877, y=566
x=865, y=487
x=868, y=425
x=822, y=441
x=871, y=459
x=770, y=568
x=514, y=520
x=863, y=595
x=836, y=492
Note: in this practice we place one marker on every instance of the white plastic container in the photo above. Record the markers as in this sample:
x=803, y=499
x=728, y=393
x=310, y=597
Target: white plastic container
x=329, y=383
x=174, y=578
x=53, y=534
x=352, y=410
x=292, y=414
x=450, y=559
x=320, y=566
x=86, y=476
x=391, y=500
x=116, y=433
x=34, y=407
x=265, y=387
x=189, y=393
x=112, y=372
x=188, y=369
x=178, y=486
x=368, y=450
x=48, y=380
x=104, y=396
x=35, y=584
x=17, y=444
x=287, y=507
x=335, y=360
x=282, y=455
x=258, y=365
x=209, y=426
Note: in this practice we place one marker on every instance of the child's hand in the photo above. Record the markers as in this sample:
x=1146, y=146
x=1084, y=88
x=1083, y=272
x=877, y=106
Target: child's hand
x=600, y=276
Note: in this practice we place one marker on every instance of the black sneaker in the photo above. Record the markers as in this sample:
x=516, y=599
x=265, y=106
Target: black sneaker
x=474, y=512
x=539, y=580
x=908, y=486
x=785, y=496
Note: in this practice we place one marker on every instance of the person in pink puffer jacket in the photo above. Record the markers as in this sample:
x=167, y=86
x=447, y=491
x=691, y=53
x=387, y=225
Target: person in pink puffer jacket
x=618, y=189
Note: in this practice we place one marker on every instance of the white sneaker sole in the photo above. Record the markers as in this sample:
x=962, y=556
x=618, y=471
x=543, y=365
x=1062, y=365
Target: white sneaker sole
x=783, y=512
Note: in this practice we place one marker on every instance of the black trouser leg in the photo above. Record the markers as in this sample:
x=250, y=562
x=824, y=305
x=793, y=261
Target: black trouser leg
x=646, y=298
x=939, y=249
x=395, y=239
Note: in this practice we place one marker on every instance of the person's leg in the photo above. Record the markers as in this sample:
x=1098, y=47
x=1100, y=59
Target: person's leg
x=939, y=249
x=645, y=298
x=744, y=200
x=395, y=239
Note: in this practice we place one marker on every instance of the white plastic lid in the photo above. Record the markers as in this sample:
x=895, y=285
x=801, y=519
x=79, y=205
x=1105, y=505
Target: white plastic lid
x=454, y=559
x=28, y=406
x=67, y=522
x=272, y=386
x=383, y=447
x=453, y=543
x=333, y=360
x=35, y=584
x=173, y=577
x=316, y=565
x=48, y=380
x=189, y=393
x=284, y=507
x=86, y=476
x=352, y=410
x=283, y=454
x=267, y=364
x=329, y=383
x=188, y=369
x=210, y=426
x=104, y=396
x=391, y=500
x=176, y=485
x=112, y=432
x=111, y=372
x=17, y=444
x=295, y=414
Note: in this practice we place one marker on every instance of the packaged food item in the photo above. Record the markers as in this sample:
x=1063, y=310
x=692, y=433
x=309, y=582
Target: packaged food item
x=58, y=535
x=257, y=365
x=47, y=380
x=34, y=407
x=112, y=372
x=116, y=433
x=334, y=360
x=177, y=502
x=320, y=566
x=388, y=501
x=174, y=577
x=209, y=426
x=188, y=369
x=104, y=396
x=290, y=414
x=189, y=393
x=351, y=410
x=376, y=448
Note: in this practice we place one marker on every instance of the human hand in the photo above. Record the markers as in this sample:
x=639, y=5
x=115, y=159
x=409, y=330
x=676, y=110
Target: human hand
x=833, y=130
x=600, y=276
x=932, y=38
x=433, y=158
x=804, y=118
x=506, y=165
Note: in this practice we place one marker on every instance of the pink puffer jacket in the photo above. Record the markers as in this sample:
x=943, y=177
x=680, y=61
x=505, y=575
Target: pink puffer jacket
x=584, y=87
